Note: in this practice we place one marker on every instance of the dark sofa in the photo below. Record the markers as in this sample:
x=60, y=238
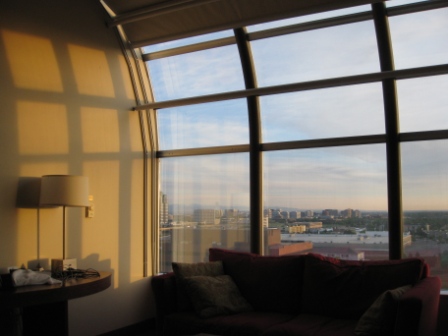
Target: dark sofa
x=302, y=295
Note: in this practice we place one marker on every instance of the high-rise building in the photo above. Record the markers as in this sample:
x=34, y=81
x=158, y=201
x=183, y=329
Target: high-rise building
x=295, y=214
x=276, y=213
x=348, y=213
x=330, y=212
x=284, y=214
x=163, y=209
x=307, y=213
x=268, y=213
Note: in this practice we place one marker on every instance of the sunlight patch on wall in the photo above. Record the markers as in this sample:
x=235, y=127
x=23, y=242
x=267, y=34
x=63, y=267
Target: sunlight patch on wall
x=32, y=61
x=102, y=234
x=91, y=70
x=100, y=130
x=42, y=128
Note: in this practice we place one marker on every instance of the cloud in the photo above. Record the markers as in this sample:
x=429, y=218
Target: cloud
x=204, y=125
x=198, y=73
x=419, y=39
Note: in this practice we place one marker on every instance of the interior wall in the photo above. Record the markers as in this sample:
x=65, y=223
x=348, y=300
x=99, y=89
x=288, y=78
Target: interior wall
x=66, y=95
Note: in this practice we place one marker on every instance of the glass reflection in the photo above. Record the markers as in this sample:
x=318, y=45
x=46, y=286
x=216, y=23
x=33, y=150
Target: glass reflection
x=204, y=203
x=425, y=203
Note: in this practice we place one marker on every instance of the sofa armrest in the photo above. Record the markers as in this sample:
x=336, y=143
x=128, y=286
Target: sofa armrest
x=165, y=295
x=418, y=309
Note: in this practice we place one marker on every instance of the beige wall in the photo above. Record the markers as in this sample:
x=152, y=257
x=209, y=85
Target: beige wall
x=65, y=96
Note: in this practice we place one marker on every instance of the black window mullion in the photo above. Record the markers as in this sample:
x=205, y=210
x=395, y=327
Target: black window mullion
x=394, y=196
x=255, y=158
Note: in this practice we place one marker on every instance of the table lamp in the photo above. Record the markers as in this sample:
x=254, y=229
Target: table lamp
x=65, y=191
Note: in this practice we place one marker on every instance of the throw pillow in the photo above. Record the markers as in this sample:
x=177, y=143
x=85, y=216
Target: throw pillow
x=185, y=270
x=328, y=282
x=279, y=278
x=379, y=319
x=213, y=296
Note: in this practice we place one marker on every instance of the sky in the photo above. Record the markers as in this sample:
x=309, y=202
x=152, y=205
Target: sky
x=338, y=177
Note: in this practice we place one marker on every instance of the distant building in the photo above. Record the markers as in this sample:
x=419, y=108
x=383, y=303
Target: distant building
x=347, y=213
x=295, y=214
x=205, y=216
x=330, y=212
x=276, y=213
x=268, y=213
x=163, y=209
x=308, y=213
x=284, y=214
x=311, y=225
x=297, y=228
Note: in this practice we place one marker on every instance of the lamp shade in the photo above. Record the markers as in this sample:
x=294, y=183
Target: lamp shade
x=64, y=190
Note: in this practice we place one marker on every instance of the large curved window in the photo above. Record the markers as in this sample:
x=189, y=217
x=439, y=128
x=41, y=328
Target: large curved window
x=304, y=130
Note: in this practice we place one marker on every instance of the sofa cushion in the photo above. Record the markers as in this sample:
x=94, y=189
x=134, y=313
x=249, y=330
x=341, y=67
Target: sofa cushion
x=329, y=281
x=379, y=319
x=271, y=284
x=185, y=270
x=212, y=296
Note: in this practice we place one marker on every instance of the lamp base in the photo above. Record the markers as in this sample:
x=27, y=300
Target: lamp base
x=60, y=265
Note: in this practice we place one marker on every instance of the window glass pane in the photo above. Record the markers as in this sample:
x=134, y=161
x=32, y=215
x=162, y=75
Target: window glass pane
x=420, y=39
x=425, y=203
x=323, y=53
x=207, y=200
x=195, y=74
x=423, y=103
x=342, y=111
x=329, y=200
x=186, y=41
x=309, y=18
x=204, y=125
